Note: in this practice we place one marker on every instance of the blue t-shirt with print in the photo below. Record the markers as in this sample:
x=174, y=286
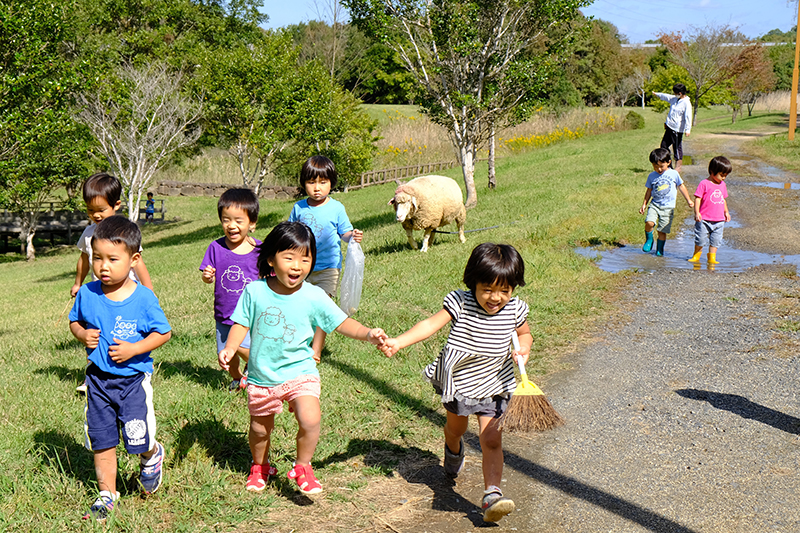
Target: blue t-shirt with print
x=328, y=222
x=282, y=328
x=130, y=320
x=664, y=187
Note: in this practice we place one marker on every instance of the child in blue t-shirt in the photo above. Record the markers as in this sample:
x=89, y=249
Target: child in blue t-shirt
x=120, y=322
x=328, y=221
x=661, y=192
x=281, y=313
x=149, y=208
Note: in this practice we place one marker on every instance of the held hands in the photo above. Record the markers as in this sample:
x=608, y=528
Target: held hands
x=390, y=347
x=208, y=274
x=377, y=336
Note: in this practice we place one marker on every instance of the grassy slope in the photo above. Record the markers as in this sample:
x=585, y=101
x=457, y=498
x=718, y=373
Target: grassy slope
x=548, y=201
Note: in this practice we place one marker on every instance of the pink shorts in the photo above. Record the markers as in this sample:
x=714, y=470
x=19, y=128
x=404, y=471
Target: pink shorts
x=266, y=401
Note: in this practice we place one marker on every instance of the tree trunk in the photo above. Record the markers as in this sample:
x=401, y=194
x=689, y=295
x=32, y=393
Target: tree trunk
x=492, y=174
x=468, y=171
x=27, y=233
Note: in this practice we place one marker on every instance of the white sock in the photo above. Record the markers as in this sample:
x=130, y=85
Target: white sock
x=493, y=488
x=152, y=460
x=107, y=494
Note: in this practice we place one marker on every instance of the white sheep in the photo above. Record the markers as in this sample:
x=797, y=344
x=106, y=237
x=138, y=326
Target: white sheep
x=427, y=203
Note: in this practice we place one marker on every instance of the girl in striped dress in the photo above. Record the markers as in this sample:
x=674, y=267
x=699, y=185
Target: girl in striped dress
x=474, y=372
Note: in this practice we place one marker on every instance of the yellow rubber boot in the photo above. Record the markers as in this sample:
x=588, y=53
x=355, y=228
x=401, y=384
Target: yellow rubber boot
x=712, y=259
x=696, y=257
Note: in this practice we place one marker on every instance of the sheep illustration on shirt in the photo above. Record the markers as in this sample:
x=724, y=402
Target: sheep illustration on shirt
x=716, y=197
x=234, y=279
x=272, y=322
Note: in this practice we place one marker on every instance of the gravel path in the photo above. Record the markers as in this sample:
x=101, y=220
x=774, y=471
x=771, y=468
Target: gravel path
x=682, y=416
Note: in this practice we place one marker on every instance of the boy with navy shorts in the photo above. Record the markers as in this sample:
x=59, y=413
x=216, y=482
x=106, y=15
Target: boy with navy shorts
x=120, y=322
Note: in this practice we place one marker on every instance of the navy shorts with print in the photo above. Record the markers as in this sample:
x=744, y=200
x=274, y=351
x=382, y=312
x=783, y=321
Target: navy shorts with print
x=115, y=403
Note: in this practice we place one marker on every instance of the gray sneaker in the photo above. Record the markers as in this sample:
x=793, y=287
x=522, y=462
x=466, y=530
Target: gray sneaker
x=454, y=462
x=495, y=506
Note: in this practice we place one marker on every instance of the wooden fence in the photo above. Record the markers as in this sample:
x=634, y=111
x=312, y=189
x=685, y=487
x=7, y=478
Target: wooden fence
x=376, y=177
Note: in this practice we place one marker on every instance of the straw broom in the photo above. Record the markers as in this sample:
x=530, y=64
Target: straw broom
x=528, y=409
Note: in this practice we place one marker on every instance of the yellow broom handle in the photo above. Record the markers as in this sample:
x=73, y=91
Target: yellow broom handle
x=518, y=359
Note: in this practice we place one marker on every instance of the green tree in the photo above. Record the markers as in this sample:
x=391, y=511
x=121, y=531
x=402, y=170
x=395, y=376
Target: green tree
x=272, y=111
x=477, y=62
x=598, y=64
x=42, y=150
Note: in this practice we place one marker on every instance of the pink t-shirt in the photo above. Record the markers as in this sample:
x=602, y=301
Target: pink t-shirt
x=712, y=200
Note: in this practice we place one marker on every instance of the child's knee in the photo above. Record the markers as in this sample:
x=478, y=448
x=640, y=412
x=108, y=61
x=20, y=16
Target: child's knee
x=261, y=427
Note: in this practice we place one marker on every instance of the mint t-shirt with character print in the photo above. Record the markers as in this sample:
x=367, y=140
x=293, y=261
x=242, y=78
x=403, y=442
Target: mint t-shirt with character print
x=282, y=328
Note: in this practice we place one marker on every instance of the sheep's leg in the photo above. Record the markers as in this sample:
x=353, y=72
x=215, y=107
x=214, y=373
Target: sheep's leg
x=426, y=240
x=461, y=234
x=411, y=241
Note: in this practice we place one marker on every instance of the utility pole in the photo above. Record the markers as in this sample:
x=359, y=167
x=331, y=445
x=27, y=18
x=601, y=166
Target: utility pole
x=793, y=98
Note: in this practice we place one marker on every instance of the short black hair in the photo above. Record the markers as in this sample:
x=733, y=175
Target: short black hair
x=318, y=166
x=679, y=88
x=719, y=165
x=149, y=194
x=119, y=229
x=660, y=155
x=244, y=199
x=286, y=236
x=490, y=263
x=102, y=185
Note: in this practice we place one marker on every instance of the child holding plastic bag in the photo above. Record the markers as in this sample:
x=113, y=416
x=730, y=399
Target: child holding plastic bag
x=328, y=221
x=352, y=279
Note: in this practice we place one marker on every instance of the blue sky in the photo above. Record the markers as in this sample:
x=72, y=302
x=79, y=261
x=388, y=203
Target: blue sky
x=639, y=20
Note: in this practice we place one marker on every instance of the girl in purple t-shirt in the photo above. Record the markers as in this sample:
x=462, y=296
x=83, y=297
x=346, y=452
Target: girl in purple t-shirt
x=230, y=263
x=711, y=210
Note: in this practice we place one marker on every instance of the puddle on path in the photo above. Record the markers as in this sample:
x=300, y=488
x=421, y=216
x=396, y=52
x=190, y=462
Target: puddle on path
x=678, y=249
x=777, y=185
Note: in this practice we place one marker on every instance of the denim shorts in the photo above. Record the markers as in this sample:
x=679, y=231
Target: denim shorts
x=222, y=337
x=706, y=233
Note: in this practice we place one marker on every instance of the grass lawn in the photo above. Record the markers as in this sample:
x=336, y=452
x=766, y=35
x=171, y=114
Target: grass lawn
x=376, y=411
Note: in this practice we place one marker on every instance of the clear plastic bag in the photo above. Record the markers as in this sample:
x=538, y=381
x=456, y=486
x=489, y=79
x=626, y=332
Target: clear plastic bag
x=352, y=279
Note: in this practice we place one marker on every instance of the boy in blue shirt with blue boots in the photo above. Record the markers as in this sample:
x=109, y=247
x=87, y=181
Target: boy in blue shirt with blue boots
x=120, y=322
x=662, y=186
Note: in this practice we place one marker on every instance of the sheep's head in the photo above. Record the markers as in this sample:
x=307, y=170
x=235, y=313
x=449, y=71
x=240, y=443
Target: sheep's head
x=404, y=205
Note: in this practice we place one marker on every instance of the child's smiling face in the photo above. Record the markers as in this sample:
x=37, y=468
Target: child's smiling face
x=236, y=224
x=98, y=209
x=291, y=268
x=492, y=297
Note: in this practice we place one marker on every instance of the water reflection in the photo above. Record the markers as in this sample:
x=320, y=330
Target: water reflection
x=677, y=250
x=777, y=185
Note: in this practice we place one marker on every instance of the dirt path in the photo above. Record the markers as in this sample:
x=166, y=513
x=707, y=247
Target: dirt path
x=683, y=413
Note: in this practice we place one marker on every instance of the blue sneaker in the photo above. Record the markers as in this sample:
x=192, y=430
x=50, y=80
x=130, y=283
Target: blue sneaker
x=101, y=507
x=150, y=476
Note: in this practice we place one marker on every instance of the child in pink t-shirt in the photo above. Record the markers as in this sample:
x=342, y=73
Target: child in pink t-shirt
x=711, y=210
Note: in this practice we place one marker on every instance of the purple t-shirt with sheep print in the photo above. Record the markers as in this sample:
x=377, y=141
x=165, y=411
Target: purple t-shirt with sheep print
x=233, y=273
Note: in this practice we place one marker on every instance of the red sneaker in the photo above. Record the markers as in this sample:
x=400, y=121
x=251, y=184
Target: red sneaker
x=259, y=476
x=306, y=481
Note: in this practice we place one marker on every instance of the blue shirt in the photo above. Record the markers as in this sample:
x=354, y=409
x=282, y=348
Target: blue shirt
x=664, y=187
x=282, y=328
x=328, y=222
x=130, y=320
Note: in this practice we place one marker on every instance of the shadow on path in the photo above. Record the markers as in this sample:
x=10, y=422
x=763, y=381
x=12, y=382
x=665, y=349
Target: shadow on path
x=739, y=405
x=445, y=497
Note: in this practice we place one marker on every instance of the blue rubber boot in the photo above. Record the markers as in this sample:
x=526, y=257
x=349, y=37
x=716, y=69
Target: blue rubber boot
x=660, y=247
x=648, y=242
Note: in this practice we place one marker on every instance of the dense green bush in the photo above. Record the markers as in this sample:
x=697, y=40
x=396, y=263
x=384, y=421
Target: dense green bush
x=634, y=121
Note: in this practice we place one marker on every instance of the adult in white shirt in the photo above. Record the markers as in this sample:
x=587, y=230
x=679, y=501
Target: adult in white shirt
x=679, y=121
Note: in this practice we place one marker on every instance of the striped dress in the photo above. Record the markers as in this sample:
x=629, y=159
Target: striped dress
x=475, y=365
